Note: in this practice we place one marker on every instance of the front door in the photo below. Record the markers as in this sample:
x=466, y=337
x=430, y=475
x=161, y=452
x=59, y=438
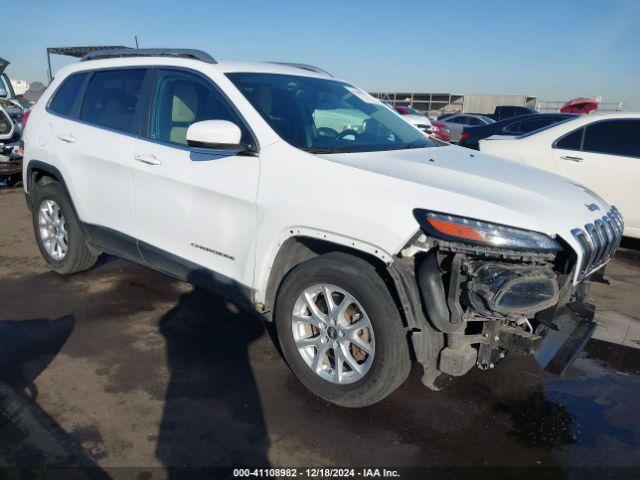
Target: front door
x=195, y=209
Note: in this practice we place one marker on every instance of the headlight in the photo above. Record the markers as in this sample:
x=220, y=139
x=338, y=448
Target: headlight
x=450, y=227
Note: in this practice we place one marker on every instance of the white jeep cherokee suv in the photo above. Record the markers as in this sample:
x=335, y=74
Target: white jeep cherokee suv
x=301, y=197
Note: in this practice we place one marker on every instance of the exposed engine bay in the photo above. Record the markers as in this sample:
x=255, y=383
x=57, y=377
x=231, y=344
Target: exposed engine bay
x=481, y=302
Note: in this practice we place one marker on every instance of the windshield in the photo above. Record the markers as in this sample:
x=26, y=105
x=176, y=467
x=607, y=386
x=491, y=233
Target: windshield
x=326, y=116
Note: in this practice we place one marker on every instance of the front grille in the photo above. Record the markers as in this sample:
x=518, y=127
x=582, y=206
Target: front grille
x=599, y=241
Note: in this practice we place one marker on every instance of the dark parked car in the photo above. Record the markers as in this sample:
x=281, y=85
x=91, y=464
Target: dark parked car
x=445, y=115
x=513, y=126
x=454, y=125
x=509, y=111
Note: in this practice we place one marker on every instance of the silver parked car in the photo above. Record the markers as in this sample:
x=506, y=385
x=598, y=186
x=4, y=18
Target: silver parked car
x=456, y=123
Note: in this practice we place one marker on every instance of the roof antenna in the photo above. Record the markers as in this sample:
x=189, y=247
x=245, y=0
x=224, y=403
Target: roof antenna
x=136, y=37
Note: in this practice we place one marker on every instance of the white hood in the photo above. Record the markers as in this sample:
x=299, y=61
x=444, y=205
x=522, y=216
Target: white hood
x=485, y=187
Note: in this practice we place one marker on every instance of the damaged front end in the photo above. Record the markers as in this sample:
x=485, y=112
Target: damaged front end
x=10, y=151
x=483, y=294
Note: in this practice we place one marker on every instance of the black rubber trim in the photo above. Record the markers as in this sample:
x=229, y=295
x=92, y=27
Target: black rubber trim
x=113, y=242
x=195, y=274
x=54, y=172
x=128, y=247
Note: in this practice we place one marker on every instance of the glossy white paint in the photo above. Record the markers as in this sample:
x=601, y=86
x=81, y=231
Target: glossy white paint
x=613, y=177
x=214, y=131
x=245, y=207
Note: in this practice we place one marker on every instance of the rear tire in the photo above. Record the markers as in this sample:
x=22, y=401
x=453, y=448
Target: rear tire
x=62, y=230
x=383, y=362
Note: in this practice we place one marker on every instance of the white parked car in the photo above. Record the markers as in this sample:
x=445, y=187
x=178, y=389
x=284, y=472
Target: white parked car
x=367, y=245
x=599, y=151
x=415, y=118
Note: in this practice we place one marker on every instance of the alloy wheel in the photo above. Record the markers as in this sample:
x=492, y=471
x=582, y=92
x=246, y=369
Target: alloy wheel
x=333, y=333
x=53, y=230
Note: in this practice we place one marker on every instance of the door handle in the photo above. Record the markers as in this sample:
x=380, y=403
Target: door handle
x=572, y=158
x=67, y=137
x=148, y=158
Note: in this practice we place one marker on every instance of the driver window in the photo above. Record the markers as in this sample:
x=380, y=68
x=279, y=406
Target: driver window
x=181, y=99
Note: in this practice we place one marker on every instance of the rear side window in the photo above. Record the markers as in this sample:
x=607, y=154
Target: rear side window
x=459, y=120
x=572, y=141
x=613, y=137
x=535, y=124
x=66, y=95
x=111, y=99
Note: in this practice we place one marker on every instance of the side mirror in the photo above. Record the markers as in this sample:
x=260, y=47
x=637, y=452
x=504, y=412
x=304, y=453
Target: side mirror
x=216, y=135
x=3, y=93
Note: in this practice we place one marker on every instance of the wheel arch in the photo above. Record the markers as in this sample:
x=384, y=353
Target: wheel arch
x=39, y=172
x=298, y=249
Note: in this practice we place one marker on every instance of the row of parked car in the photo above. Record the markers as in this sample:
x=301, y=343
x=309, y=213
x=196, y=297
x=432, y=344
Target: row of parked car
x=600, y=151
x=12, y=117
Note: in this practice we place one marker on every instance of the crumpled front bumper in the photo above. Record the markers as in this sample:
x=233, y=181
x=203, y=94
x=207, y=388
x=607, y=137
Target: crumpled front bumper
x=563, y=340
x=10, y=159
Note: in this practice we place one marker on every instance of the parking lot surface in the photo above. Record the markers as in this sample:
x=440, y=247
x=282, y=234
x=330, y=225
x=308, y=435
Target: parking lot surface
x=137, y=369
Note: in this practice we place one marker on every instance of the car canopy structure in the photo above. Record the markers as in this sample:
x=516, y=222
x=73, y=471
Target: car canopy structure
x=77, y=52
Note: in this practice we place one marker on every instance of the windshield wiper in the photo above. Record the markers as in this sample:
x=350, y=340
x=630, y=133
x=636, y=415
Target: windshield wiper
x=326, y=150
x=415, y=144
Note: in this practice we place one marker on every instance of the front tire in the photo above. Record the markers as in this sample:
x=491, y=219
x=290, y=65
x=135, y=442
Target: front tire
x=58, y=232
x=340, y=330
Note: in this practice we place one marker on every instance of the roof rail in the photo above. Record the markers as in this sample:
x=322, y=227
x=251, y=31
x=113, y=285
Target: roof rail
x=304, y=66
x=150, y=52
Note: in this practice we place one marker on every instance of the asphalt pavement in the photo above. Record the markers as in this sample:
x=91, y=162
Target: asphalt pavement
x=127, y=372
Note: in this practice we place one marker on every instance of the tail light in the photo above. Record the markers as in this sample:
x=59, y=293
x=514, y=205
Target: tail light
x=25, y=116
x=463, y=137
x=440, y=130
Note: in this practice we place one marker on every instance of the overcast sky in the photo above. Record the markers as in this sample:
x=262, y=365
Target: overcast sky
x=555, y=50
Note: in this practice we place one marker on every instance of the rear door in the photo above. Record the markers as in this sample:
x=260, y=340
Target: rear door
x=94, y=143
x=605, y=156
x=195, y=209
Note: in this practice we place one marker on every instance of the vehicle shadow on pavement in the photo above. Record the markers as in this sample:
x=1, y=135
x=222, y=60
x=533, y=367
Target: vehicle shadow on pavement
x=27, y=347
x=31, y=442
x=213, y=414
